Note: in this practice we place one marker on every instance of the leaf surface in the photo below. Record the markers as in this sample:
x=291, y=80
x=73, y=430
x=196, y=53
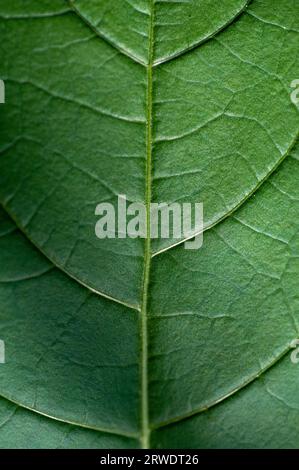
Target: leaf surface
x=131, y=342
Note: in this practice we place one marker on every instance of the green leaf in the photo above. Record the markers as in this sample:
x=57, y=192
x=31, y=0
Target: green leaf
x=131, y=342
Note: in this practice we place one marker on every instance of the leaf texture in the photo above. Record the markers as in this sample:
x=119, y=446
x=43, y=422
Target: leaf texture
x=130, y=342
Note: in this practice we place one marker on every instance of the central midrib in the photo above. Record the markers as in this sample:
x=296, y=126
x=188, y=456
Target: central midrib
x=145, y=429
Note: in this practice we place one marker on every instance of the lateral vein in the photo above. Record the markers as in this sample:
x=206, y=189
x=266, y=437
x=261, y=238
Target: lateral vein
x=61, y=268
x=232, y=392
x=68, y=422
